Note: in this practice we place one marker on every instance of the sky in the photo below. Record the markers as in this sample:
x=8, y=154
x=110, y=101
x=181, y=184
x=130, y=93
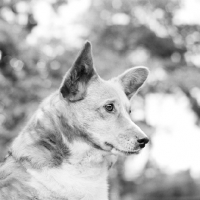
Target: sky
x=176, y=137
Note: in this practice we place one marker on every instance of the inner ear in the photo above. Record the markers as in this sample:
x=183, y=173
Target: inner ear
x=76, y=80
x=131, y=80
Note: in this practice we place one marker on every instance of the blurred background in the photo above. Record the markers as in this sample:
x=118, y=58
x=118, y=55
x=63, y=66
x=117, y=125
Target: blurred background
x=39, y=40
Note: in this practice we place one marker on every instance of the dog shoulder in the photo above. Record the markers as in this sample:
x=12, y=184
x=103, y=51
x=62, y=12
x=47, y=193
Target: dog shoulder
x=13, y=181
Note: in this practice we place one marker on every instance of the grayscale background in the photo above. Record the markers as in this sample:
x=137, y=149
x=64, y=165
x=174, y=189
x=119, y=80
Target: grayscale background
x=39, y=40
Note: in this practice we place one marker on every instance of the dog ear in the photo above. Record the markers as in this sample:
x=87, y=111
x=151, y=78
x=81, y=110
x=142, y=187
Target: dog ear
x=132, y=79
x=75, y=82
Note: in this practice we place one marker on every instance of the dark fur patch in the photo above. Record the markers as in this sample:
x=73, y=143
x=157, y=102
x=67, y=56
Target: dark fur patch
x=54, y=144
x=53, y=150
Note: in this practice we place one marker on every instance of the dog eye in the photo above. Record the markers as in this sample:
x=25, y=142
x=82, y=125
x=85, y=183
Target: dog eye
x=109, y=107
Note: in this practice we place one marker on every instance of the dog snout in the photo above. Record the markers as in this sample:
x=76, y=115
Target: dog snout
x=143, y=141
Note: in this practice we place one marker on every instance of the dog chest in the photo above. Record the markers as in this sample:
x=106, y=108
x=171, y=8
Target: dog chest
x=70, y=183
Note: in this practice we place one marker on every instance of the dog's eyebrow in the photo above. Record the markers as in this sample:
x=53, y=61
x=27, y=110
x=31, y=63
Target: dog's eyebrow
x=111, y=101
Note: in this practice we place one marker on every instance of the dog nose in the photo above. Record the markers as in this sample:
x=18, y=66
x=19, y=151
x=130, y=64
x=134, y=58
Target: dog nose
x=143, y=141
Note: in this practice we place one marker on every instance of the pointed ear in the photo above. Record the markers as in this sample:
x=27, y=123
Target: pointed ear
x=132, y=79
x=75, y=82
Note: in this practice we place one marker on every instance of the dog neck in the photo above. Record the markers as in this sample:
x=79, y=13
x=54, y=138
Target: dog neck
x=60, y=158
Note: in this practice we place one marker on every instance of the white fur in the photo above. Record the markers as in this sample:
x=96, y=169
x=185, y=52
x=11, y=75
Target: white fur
x=69, y=181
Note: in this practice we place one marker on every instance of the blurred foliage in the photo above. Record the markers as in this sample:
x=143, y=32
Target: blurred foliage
x=123, y=33
x=28, y=74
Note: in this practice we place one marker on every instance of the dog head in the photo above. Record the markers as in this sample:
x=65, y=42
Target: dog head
x=101, y=109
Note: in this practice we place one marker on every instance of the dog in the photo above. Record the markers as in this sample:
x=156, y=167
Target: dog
x=68, y=146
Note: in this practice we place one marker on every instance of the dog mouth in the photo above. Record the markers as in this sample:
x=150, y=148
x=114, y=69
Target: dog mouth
x=115, y=150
